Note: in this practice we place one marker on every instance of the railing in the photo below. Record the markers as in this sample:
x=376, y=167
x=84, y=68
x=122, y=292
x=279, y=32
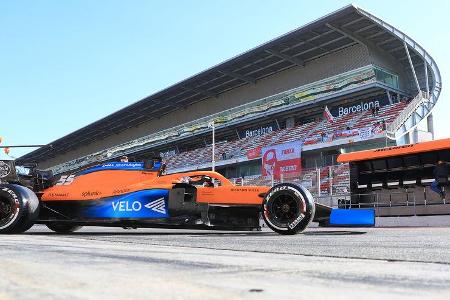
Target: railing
x=331, y=180
x=331, y=186
x=345, y=201
x=406, y=113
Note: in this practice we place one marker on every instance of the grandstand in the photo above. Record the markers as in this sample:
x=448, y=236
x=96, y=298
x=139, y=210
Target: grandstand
x=310, y=133
x=377, y=82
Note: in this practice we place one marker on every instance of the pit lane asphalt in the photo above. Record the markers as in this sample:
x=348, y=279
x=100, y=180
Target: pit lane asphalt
x=321, y=263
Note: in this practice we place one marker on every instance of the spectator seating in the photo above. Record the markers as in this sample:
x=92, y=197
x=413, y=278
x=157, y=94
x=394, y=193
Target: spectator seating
x=310, y=133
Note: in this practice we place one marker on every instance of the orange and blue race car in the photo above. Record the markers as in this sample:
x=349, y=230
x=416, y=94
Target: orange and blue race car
x=137, y=194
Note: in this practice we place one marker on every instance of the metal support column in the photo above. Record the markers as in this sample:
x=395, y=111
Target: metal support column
x=389, y=96
x=430, y=126
x=213, y=160
x=319, y=192
x=407, y=138
x=278, y=124
x=426, y=79
x=412, y=67
x=237, y=134
x=415, y=135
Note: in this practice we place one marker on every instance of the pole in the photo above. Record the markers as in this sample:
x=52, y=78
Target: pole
x=426, y=78
x=412, y=69
x=330, y=176
x=213, y=146
x=318, y=182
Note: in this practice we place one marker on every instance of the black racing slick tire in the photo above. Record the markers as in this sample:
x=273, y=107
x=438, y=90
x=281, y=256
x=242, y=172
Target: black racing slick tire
x=19, y=208
x=288, y=208
x=63, y=228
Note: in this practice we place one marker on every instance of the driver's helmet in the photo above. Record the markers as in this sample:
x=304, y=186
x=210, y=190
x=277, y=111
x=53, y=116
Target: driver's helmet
x=207, y=181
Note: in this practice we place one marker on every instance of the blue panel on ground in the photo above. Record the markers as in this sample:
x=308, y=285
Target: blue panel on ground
x=352, y=217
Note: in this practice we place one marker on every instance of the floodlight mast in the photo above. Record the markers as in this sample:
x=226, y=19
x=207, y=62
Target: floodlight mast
x=213, y=160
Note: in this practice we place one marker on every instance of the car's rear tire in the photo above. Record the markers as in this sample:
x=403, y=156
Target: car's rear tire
x=63, y=228
x=288, y=208
x=19, y=208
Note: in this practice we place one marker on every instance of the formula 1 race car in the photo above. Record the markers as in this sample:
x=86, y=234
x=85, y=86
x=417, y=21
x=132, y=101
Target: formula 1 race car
x=137, y=194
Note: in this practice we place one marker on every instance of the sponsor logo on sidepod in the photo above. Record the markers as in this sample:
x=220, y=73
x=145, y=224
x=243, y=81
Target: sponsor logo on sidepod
x=158, y=205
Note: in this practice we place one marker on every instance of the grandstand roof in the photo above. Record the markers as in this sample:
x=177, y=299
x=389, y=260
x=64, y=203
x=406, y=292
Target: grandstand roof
x=343, y=28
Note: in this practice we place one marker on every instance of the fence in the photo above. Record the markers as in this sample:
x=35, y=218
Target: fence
x=331, y=186
x=327, y=184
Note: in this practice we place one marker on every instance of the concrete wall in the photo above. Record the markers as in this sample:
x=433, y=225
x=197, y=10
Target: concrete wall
x=333, y=64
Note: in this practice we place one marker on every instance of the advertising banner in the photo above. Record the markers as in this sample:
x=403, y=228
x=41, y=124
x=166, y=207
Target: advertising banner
x=168, y=153
x=336, y=84
x=281, y=159
x=365, y=133
x=358, y=107
x=258, y=130
x=346, y=133
x=254, y=153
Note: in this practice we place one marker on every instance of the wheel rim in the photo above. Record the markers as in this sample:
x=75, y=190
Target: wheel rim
x=9, y=211
x=284, y=209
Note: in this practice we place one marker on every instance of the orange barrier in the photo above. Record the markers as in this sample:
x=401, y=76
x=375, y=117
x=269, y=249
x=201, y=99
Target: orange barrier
x=395, y=151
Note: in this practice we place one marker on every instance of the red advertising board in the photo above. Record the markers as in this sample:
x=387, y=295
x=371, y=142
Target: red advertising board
x=254, y=153
x=282, y=159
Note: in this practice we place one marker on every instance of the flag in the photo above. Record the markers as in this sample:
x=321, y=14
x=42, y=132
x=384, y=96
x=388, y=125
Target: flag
x=328, y=115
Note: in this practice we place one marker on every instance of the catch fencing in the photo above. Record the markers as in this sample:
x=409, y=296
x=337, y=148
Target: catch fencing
x=328, y=184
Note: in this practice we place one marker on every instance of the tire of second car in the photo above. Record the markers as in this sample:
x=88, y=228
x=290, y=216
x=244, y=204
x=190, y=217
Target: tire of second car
x=19, y=208
x=288, y=208
x=63, y=228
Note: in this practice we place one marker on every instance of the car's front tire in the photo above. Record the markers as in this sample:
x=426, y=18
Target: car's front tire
x=288, y=208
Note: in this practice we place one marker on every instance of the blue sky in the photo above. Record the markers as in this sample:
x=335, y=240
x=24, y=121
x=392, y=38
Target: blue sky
x=65, y=64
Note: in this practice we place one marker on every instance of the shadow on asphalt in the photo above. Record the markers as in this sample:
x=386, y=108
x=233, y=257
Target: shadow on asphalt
x=125, y=233
x=187, y=233
x=340, y=232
